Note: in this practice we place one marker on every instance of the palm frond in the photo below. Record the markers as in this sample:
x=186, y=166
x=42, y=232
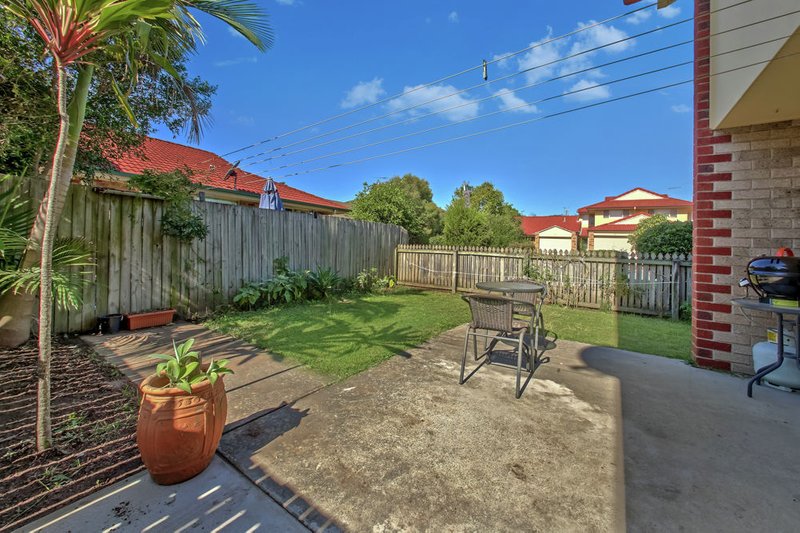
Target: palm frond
x=242, y=15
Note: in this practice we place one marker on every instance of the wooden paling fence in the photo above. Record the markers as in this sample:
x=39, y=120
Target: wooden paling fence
x=653, y=285
x=138, y=268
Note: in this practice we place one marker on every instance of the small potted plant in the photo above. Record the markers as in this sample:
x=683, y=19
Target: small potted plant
x=182, y=414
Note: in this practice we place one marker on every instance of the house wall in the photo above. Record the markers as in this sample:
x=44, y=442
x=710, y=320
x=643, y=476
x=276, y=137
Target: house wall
x=746, y=203
x=611, y=241
x=731, y=105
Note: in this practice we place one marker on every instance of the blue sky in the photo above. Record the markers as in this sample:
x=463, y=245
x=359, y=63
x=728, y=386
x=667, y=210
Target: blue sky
x=331, y=57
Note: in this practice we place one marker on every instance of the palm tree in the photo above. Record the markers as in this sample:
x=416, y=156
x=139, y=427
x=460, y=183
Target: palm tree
x=73, y=31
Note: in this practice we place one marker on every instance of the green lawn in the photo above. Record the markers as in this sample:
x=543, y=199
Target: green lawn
x=636, y=333
x=343, y=338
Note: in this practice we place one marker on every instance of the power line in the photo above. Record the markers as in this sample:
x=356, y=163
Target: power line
x=507, y=110
x=461, y=91
x=445, y=78
x=513, y=108
x=530, y=121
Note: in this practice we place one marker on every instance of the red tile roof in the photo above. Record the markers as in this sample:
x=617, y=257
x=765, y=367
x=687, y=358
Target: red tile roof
x=616, y=226
x=611, y=202
x=209, y=170
x=534, y=225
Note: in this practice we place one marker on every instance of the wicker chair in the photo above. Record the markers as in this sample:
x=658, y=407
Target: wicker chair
x=530, y=311
x=495, y=316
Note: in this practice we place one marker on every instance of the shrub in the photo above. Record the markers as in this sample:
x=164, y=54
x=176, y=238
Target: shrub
x=657, y=235
x=368, y=281
x=248, y=296
x=324, y=283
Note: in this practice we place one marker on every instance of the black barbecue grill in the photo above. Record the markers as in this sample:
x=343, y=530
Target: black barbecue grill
x=776, y=276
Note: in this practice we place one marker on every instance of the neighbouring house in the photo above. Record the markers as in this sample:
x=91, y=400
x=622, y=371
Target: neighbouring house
x=552, y=233
x=607, y=225
x=221, y=182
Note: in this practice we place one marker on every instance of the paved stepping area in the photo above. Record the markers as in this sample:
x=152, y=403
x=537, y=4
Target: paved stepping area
x=261, y=383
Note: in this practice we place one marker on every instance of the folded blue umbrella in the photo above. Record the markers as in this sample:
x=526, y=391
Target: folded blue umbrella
x=270, y=198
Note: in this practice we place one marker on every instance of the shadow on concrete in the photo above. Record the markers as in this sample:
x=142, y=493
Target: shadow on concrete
x=698, y=453
x=254, y=436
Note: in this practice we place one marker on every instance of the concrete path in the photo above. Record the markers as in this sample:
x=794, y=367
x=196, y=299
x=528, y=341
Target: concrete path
x=262, y=382
x=219, y=499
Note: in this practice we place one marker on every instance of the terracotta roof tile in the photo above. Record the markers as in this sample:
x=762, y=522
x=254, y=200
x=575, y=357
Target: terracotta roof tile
x=533, y=225
x=209, y=170
x=611, y=202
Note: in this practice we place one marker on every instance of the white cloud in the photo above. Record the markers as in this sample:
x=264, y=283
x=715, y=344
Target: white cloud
x=286, y=2
x=235, y=61
x=586, y=93
x=681, y=108
x=639, y=17
x=234, y=33
x=543, y=52
x=669, y=12
x=509, y=101
x=599, y=36
x=421, y=96
x=453, y=17
x=243, y=120
x=363, y=92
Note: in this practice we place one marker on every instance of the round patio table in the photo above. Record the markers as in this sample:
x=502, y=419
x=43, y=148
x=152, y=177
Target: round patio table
x=510, y=286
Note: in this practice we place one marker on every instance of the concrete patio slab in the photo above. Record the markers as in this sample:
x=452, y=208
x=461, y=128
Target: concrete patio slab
x=602, y=439
x=218, y=499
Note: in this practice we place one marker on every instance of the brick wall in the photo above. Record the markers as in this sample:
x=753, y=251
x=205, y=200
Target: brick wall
x=746, y=203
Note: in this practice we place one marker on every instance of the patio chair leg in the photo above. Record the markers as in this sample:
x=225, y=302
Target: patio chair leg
x=519, y=363
x=464, y=358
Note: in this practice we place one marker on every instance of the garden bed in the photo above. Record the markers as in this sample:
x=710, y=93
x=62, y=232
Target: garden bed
x=94, y=429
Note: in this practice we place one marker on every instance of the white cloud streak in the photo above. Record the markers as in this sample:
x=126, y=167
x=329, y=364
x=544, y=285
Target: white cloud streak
x=511, y=102
x=639, y=17
x=587, y=94
x=669, y=12
x=681, y=108
x=422, y=95
x=453, y=17
x=235, y=61
x=363, y=92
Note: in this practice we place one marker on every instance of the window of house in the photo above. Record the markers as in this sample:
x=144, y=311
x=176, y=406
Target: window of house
x=605, y=214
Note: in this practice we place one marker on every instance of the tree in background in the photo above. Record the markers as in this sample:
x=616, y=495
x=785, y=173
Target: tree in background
x=406, y=201
x=28, y=120
x=659, y=235
x=480, y=216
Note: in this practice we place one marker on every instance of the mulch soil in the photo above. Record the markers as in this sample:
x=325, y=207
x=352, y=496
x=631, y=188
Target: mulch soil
x=94, y=431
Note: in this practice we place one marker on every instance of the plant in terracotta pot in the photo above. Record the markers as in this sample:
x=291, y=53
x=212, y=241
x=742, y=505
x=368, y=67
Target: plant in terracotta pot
x=182, y=414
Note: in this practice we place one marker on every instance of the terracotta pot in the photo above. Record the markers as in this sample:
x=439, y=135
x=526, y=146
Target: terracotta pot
x=178, y=433
x=150, y=319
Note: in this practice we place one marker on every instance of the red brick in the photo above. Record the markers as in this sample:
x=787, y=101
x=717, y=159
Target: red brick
x=717, y=308
x=713, y=232
x=704, y=315
x=711, y=287
x=713, y=345
x=712, y=213
x=711, y=250
x=707, y=362
x=716, y=326
x=703, y=278
x=720, y=195
x=711, y=269
x=714, y=176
